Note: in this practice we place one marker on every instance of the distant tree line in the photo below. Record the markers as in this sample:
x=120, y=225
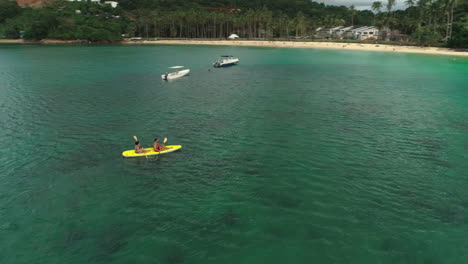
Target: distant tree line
x=249, y=19
x=424, y=21
x=61, y=20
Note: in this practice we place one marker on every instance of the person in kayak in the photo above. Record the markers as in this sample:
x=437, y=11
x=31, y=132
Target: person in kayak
x=157, y=147
x=139, y=148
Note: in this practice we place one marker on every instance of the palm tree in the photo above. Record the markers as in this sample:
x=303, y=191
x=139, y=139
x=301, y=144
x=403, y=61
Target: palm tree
x=390, y=4
x=283, y=27
x=422, y=5
x=300, y=24
x=449, y=7
x=410, y=3
x=353, y=12
x=377, y=6
x=154, y=16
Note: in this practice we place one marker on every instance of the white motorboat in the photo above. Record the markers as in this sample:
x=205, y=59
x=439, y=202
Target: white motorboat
x=226, y=60
x=177, y=74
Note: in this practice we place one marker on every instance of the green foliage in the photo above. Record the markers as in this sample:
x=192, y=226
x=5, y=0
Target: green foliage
x=10, y=30
x=8, y=9
x=60, y=20
x=425, y=36
x=460, y=37
x=179, y=18
x=425, y=21
x=39, y=23
x=364, y=18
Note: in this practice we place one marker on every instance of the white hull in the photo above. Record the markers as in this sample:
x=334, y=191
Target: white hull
x=226, y=62
x=175, y=75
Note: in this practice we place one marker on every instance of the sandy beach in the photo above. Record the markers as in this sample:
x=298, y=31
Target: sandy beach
x=11, y=41
x=312, y=45
x=275, y=44
x=43, y=41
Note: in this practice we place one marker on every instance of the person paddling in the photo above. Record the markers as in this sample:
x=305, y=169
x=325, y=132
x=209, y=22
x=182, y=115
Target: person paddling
x=138, y=147
x=159, y=147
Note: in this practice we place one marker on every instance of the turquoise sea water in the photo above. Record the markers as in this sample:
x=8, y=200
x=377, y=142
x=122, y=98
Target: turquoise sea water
x=293, y=156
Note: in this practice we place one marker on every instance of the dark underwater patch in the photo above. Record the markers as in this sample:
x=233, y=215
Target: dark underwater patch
x=464, y=203
x=174, y=256
x=206, y=229
x=279, y=232
x=215, y=226
x=315, y=234
x=463, y=126
x=111, y=241
x=406, y=123
x=449, y=214
x=422, y=203
x=229, y=218
x=429, y=260
x=431, y=145
x=9, y=226
x=443, y=163
x=388, y=245
x=252, y=171
x=139, y=204
x=271, y=198
x=74, y=162
x=111, y=244
x=72, y=236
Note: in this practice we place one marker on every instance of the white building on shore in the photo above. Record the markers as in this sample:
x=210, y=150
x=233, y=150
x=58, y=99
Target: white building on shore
x=359, y=33
x=114, y=4
x=332, y=31
x=343, y=30
x=92, y=1
x=364, y=33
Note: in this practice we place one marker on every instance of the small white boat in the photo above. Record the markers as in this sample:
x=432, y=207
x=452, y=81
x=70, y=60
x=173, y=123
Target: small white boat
x=226, y=60
x=176, y=74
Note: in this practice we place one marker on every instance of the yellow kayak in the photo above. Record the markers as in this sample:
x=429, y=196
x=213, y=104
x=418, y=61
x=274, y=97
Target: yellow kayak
x=151, y=152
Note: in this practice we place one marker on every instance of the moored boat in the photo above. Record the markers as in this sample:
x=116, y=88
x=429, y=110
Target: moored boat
x=226, y=60
x=176, y=74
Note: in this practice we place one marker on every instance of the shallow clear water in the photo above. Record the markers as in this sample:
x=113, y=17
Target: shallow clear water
x=293, y=156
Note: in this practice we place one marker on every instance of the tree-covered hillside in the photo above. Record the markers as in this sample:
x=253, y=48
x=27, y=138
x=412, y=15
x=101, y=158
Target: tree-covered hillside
x=61, y=20
x=424, y=21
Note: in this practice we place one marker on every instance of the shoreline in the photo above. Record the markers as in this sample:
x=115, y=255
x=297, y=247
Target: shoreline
x=273, y=44
x=309, y=45
x=43, y=41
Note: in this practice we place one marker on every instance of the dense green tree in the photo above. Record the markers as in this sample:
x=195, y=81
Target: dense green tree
x=352, y=12
x=61, y=20
x=377, y=6
x=39, y=23
x=8, y=9
x=364, y=18
x=459, y=34
x=11, y=29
